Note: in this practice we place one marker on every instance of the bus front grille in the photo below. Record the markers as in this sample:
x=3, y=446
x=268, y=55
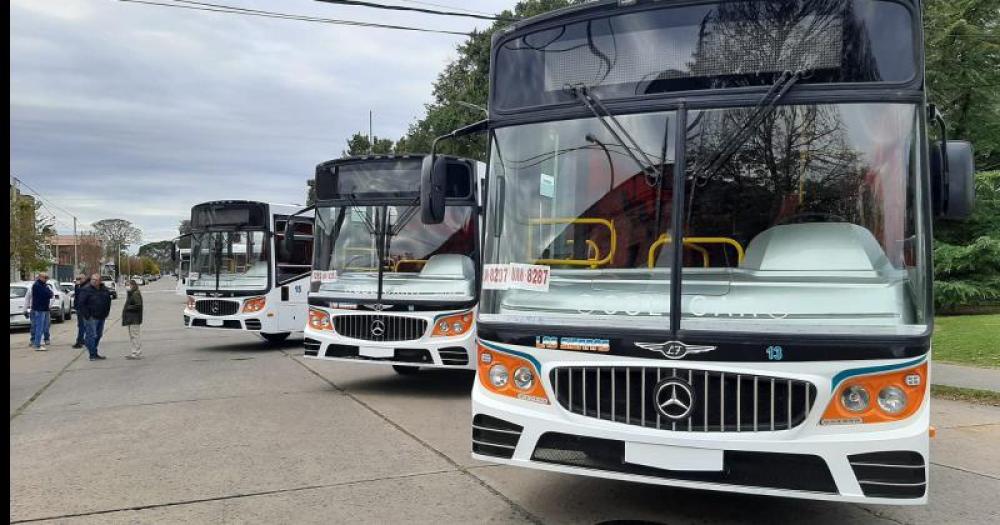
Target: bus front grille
x=216, y=307
x=720, y=401
x=380, y=327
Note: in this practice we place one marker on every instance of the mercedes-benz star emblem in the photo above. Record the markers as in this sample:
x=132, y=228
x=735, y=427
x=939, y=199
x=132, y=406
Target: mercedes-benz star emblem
x=674, y=398
x=378, y=328
x=675, y=349
x=215, y=308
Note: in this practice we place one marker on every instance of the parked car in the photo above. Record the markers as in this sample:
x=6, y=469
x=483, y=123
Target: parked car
x=60, y=306
x=109, y=282
x=18, y=318
x=139, y=280
x=70, y=290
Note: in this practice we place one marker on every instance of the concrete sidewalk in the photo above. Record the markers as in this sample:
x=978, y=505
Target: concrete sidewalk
x=965, y=376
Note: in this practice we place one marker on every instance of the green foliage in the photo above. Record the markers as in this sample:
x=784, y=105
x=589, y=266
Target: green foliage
x=158, y=253
x=963, y=71
x=360, y=144
x=967, y=253
x=466, y=80
x=29, y=232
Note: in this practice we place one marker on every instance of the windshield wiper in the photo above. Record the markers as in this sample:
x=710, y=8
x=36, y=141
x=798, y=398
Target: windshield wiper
x=606, y=118
x=764, y=107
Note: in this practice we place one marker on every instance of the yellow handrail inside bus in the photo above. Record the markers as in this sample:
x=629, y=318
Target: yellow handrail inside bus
x=401, y=262
x=593, y=251
x=593, y=263
x=694, y=243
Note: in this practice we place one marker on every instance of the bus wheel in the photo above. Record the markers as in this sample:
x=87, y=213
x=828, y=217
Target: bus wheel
x=275, y=338
x=406, y=370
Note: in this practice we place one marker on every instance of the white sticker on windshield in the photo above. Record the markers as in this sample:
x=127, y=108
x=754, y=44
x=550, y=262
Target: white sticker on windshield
x=516, y=276
x=324, y=276
x=547, y=186
x=194, y=275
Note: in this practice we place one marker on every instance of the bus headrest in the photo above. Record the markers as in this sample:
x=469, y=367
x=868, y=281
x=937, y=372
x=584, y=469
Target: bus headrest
x=815, y=246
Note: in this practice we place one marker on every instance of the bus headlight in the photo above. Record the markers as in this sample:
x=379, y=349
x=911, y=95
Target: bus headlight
x=855, y=398
x=892, y=400
x=898, y=394
x=254, y=304
x=494, y=373
x=320, y=320
x=190, y=303
x=499, y=376
x=453, y=325
x=523, y=378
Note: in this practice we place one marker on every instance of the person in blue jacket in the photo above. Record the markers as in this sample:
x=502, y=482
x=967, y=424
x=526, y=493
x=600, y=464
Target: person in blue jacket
x=41, y=298
x=94, y=305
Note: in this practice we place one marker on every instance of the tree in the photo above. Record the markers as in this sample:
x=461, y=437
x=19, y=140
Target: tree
x=967, y=253
x=963, y=72
x=159, y=252
x=360, y=144
x=117, y=235
x=29, y=232
x=466, y=79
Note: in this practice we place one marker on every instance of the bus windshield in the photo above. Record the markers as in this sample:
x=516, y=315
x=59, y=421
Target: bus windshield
x=733, y=44
x=229, y=261
x=808, y=224
x=422, y=262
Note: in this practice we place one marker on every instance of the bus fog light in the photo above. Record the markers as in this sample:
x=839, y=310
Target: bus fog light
x=523, y=378
x=855, y=399
x=892, y=400
x=499, y=376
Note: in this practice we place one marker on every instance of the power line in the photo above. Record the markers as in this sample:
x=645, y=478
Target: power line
x=432, y=4
x=391, y=7
x=44, y=200
x=234, y=10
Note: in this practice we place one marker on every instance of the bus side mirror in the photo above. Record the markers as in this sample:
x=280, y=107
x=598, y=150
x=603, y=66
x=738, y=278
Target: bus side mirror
x=953, y=185
x=433, y=179
x=288, y=240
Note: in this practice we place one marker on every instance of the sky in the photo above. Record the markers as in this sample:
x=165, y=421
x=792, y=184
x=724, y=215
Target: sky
x=123, y=110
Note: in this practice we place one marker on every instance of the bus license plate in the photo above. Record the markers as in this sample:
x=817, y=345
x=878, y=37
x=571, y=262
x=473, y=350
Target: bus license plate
x=213, y=322
x=376, y=351
x=673, y=458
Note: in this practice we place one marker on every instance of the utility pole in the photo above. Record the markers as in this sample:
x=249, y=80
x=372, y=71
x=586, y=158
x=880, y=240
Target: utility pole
x=371, y=138
x=76, y=254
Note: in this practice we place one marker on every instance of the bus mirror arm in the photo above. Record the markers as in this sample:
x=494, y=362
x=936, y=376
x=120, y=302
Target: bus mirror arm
x=952, y=173
x=434, y=173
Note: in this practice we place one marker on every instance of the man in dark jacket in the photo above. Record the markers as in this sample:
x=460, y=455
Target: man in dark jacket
x=81, y=327
x=132, y=319
x=94, y=305
x=41, y=298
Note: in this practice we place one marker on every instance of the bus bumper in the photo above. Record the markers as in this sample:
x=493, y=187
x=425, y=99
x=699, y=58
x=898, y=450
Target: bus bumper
x=456, y=352
x=885, y=463
x=257, y=322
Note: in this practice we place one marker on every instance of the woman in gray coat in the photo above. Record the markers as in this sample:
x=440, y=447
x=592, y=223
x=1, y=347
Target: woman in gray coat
x=132, y=319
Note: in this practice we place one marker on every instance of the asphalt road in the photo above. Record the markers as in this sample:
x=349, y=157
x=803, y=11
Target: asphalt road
x=217, y=427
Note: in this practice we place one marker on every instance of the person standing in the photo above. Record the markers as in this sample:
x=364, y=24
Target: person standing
x=39, y=301
x=94, y=305
x=132, y=319
x=81, y=329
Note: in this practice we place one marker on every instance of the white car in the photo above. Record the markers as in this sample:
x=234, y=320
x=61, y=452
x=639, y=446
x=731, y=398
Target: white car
x=18, y=291
x=60, y=306
x=69, y=288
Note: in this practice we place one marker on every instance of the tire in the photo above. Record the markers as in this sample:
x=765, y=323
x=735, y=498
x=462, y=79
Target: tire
x=59, y=318
x=406, y=370
x=68, y=316
x=275, y=339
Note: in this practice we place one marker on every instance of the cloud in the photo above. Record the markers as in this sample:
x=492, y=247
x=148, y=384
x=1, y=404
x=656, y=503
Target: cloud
x=139, y=112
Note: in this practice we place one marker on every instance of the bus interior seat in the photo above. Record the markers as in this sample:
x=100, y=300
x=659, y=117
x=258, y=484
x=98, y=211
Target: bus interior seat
x=815, y=246
x=449, y=265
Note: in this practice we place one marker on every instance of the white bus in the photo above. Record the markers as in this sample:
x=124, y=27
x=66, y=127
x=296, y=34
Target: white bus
x=182, y=258
x=387, y=288
x=707, y=245
x=242, y=275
